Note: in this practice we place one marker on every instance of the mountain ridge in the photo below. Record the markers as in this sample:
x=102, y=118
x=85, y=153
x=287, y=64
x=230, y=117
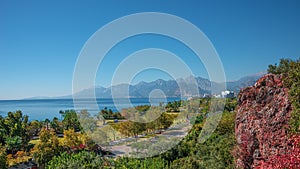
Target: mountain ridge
x=170, y=88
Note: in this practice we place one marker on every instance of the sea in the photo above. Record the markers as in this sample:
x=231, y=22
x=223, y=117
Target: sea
x=40, y=109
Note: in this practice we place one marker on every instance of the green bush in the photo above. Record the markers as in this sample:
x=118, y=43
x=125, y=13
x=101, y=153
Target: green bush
x=290, y=71
x=148, y=163
x=3, y=159
x=82, y=160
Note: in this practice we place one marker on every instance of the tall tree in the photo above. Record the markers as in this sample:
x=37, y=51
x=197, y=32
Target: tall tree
x=15, y=125
x=56, y=125
x=46, y=148
x=70, y=120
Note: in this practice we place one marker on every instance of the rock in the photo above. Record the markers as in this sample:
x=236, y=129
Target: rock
x=262, y=121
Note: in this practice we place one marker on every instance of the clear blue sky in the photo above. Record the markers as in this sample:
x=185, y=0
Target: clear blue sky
x=40, y=40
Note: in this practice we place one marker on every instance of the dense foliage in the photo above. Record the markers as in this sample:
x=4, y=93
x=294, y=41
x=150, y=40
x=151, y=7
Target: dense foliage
x=70, y=120
x=109, y=114
x=290, y=70
x=20, y=138
x=3, y=159
x=76, y=149
x=46, y=148
x=132, y=128
x=14, y=131
x=216, y=152
x=291, y=77
x=173, y=106
x=132, y=163
x=82, y=160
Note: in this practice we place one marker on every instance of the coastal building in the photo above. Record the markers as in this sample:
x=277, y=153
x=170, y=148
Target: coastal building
x=227, y=94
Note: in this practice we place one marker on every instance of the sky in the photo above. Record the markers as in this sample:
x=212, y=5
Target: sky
x=40, y=41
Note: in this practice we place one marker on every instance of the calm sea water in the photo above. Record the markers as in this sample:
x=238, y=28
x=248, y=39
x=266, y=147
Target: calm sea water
x=49, y=108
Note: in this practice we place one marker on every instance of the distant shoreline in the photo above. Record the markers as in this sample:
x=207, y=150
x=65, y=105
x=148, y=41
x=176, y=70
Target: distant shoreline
x=39, y=109
x=98, y=98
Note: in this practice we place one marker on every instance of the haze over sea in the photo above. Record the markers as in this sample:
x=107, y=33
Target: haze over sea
x=40, y=109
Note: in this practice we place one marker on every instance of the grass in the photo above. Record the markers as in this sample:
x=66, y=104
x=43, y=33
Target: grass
x=34, y=142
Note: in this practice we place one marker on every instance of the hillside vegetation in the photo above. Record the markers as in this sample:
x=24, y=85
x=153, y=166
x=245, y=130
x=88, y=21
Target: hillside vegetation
x=259, y=129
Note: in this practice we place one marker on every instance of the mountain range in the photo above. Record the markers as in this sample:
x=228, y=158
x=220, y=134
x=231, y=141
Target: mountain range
x=168, y=88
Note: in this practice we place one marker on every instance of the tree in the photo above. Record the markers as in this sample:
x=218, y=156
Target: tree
x=46, y=148
x=3, y=130
x=142, y=108
x=173, y=106
x=88, y=123
x=47, y=123
x=13, y=126
x=117, y=115
x=108, y=114
x=62, y=114
x=197, y=119
x=71, y=139
x=283, y=67
x=3, y=159
x=71, y=121
x=13, y=143
x=34, y=128
x=56, y=125
x=166, y=120
x=87, y=142
x=130, y=128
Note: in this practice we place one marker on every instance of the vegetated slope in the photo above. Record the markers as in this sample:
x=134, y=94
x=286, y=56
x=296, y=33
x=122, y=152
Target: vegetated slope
x=262, y=126
x=215, y=152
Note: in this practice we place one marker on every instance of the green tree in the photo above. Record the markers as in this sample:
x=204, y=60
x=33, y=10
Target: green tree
x=283, y=67
x=107, y=113
x=46, y=148
x=166, y=120
x=13, y=143
x=197, y=119
x=56, y=125
x=142, y=108
x=15, y=125
x=47, y=123
x=70, y=120
x=3, y=130
x=173, y=106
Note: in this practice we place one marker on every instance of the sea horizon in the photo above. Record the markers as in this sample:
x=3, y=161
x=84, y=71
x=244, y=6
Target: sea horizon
x=40, y=109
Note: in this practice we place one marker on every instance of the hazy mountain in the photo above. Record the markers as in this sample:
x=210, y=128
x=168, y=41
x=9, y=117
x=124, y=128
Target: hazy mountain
x=171, y=88
x=37, y=98
x=244, y=82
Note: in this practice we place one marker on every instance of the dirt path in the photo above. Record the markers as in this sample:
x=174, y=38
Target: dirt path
x=124, y=148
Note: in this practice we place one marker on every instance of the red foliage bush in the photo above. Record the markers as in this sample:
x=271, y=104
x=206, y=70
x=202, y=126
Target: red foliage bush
x=261, y=129
x=289, y=160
